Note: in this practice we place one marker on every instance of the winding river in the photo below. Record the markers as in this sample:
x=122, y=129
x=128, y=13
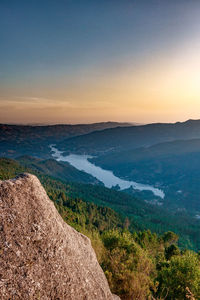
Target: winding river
x=81, y=163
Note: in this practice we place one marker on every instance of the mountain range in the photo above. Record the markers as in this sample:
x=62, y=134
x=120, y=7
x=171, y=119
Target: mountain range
x=17, y=140
x=119, y=139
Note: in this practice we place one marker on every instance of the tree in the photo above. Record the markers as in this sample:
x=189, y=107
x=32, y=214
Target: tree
x=171, y=251
x=182, y=273
x=127, y=266
x=170, y=238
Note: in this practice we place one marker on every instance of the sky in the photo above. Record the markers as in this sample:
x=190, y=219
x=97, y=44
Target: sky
x=84, y=61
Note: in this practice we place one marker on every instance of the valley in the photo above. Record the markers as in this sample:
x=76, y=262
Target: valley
x=81, y=163
x=100, y=150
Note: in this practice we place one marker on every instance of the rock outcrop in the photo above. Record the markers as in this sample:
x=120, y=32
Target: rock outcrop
x=41, y=257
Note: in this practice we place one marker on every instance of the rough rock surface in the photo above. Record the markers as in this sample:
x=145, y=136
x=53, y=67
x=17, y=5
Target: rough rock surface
x=41, y=257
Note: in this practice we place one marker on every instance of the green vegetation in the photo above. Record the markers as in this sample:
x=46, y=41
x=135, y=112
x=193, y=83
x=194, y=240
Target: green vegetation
x=138, y=264
x=141, y=215
x=180, y=274
x=60, y=170
x=80, y=214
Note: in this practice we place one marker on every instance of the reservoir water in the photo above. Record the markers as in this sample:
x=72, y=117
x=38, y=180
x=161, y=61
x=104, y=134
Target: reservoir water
x=82, y=163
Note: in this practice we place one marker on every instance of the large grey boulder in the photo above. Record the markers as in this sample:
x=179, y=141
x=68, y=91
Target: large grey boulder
x=41, y=257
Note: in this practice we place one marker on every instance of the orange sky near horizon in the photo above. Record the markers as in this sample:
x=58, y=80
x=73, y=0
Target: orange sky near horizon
x=160, y=84
x=164, y=91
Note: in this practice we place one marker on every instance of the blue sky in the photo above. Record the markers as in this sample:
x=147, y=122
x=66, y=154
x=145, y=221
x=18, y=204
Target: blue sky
x=73, y=54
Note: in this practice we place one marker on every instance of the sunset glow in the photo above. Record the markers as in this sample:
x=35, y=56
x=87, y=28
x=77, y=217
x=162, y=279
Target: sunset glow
x=99, y=61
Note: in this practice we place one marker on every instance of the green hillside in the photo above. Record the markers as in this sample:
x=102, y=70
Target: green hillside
x=140, y=213
x=60, y=170
x=76, y=212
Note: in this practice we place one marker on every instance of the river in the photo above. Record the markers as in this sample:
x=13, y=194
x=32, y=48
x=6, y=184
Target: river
x=82, y=163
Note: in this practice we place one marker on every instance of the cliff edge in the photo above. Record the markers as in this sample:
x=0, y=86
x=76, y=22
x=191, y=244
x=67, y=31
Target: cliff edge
x=41, y=257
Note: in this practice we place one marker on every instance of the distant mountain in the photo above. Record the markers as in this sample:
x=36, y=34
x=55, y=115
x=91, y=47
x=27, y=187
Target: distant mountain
x=16, y=140
x=60, y=170
x=178, y=147
x=119, y=139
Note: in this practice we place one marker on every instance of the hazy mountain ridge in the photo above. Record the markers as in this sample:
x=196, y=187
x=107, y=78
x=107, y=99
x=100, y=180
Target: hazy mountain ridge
x=16, y=140
x=126, y=138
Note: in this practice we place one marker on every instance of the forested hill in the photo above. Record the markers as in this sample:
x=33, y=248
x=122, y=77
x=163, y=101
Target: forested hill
x=140, y=213
x=119, y=139
x=59, y=170
x=67, y=198
x=138, y=264
x=16, y=140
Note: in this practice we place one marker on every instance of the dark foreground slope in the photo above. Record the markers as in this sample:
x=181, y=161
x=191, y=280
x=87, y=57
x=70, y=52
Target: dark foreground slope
x=41, y=256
